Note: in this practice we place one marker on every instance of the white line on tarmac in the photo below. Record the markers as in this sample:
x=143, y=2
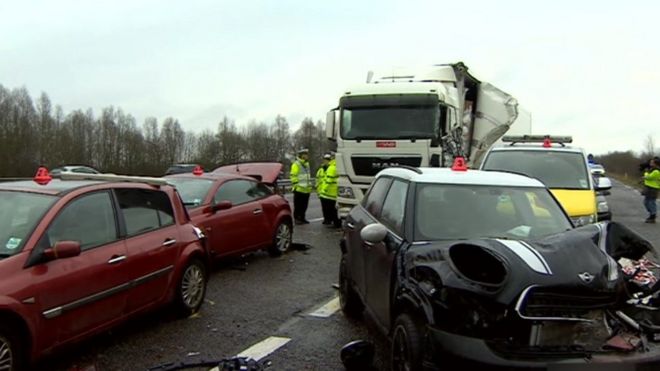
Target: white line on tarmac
x=327, y=309
x=315, y=220
x=264, y=348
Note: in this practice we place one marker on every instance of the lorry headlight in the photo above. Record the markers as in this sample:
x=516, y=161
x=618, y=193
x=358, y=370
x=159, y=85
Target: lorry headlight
x=579, y=221
x=603, y=207
x=345, y=192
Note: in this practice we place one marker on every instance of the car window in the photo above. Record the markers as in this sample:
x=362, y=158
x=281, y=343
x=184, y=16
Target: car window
x=375, y=197
x=444, y=211
x=193, y=191
x=85, y=170
x=556, y=169
x=261, y=190
x=88, y=219
x=237, y=191
x=394, y=206
x=144, y=209
x=19, y=214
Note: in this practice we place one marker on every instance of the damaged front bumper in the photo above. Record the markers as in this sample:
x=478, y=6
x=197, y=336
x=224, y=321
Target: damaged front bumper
x=449, y=347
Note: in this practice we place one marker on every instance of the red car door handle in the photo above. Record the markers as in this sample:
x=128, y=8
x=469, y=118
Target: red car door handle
x=257, y=211
x=117, y=259
x=169, y=242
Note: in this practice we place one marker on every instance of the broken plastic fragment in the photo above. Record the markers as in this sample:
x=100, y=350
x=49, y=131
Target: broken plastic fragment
x=625, y=341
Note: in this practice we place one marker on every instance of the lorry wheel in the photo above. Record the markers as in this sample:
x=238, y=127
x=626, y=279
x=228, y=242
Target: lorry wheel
x=349, y=301
x=407, y=343
x=282, y=239
x=12, y=354
x=191, y=287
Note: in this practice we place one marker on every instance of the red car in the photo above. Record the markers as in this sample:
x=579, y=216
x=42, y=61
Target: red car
x=237, y=208
x=79, y=256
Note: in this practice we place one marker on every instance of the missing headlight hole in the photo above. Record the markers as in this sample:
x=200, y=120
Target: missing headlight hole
x=477, y=264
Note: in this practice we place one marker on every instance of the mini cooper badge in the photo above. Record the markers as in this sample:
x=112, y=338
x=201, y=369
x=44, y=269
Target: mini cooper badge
x=586, y=277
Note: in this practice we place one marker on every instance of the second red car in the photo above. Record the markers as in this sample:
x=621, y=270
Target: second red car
x=237, y=208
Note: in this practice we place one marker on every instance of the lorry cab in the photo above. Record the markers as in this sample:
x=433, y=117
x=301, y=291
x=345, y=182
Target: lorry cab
x=564, y=170
x=415, y=117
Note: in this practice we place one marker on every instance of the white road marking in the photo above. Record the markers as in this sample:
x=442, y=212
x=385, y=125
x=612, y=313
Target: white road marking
x=264, y=348
x=327, y=309
x=315, y=220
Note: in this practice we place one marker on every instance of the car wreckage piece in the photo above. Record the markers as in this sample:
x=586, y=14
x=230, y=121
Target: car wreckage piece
x=558, y=297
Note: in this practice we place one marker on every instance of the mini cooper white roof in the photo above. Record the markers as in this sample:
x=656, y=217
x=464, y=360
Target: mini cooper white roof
x=469, y=177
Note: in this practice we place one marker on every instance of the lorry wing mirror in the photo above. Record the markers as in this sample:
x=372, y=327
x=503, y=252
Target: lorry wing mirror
x=330, y=125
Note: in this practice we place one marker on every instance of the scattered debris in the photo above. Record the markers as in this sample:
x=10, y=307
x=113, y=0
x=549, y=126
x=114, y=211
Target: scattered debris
x=192, y=354
x=300, y=246
x=643, y=272
x=624, y=341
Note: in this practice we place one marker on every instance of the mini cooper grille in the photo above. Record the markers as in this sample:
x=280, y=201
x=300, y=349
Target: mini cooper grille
x=558, y=304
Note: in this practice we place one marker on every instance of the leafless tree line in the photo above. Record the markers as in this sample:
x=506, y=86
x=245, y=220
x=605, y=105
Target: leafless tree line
x=34, y=132
x=628, y=163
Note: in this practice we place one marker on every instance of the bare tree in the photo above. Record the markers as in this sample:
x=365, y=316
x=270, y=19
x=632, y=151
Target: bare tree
x=649, y=147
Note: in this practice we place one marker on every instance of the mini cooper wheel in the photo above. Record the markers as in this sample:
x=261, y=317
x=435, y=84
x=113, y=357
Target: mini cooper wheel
x=282, y=239
x=191, y=288
x=349, y=301
x=407, y=344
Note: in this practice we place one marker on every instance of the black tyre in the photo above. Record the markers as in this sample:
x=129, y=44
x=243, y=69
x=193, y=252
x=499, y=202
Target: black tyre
x=349, y=301
x=12, y=350
x=191, y=287
x=407, y=344
x=281, y=239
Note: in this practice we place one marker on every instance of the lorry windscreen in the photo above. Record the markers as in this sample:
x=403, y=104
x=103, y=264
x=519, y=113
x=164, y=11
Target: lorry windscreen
x=391, y=116
x=391, y=122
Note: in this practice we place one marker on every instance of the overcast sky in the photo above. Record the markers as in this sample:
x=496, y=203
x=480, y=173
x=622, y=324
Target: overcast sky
x=590, y=69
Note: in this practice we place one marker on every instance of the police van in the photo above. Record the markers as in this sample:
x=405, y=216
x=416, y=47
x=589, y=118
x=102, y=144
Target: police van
x=563, y=168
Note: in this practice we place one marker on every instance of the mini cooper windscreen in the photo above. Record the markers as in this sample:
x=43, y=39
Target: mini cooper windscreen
x=444, y=212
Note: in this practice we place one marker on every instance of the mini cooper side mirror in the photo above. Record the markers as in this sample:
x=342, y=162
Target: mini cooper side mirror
x=373, y=233
x=358, y=355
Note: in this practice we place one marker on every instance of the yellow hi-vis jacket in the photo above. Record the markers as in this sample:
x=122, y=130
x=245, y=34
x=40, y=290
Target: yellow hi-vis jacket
x=320, y=174
x=300, y=176
x=652, y=178
x=329, y=189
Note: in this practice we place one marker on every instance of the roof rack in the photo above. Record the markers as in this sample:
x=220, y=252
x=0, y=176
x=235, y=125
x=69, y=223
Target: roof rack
x=408, y=167
x=547, y=140
x=113, y=178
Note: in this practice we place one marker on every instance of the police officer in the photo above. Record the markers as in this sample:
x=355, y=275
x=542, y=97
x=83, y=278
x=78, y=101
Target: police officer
x=320, y=177
x=651, y=188
x=302, y=186
x=328, y=193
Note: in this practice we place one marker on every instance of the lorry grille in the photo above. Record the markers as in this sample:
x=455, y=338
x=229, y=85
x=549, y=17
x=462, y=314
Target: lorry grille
x=370, y=166
x=561, y=304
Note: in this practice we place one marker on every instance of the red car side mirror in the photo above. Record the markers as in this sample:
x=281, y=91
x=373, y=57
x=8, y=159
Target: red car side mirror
x=62, y=250
x=222, y=205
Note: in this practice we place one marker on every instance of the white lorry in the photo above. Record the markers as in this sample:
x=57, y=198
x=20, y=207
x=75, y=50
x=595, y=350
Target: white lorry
x=420, y=117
